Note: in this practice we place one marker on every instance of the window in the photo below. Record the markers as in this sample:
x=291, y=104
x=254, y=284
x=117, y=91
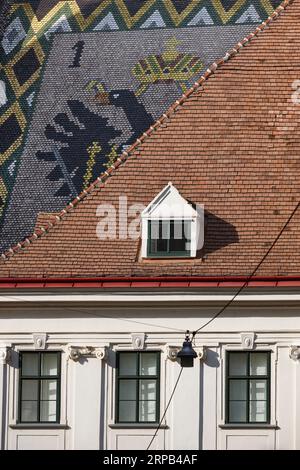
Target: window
x=138, y=387
x=39, y=399
x=248, y=387
x=169, y=238
x=172, y=227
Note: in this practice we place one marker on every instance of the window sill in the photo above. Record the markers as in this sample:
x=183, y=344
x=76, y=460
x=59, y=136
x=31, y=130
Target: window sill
x=136, y=426
x=167, y=258
x=248, y=426
x=38, y=426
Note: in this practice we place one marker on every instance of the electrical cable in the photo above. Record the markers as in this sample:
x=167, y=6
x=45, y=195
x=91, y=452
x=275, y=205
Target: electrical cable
x=251, y=275
x=218, y=313
x=166, y=409
x=228, y=304
x=174, y=330
x=205, y=324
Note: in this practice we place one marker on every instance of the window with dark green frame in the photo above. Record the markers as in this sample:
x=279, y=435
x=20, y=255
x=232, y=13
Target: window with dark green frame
x=169, y=238
x=138, y=387
x=248, y=387
x=39, y=387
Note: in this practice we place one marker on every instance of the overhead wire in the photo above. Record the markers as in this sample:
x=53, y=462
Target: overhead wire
x=174, y=330
x=248, y=279
x=225, y=307
x=245, y=283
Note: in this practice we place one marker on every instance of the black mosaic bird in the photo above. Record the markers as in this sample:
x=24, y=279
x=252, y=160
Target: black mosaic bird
x=135, y=112
x=86, y=145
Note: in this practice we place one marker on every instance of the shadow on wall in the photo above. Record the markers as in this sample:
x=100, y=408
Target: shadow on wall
x=212, y=360
x=218, y=234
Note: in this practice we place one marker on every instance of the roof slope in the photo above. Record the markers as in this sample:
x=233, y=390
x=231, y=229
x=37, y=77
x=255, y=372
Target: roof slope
x=58, y=56
x=232, y=145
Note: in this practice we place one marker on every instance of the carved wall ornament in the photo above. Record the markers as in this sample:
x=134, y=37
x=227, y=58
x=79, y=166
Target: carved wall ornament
x=138, y=341
x=172, y=352
x=39, y=340
x=5, y=353
x=76, y=353
x=201, y=353
x=101, y=353
x=248, y=340
x=295, y=353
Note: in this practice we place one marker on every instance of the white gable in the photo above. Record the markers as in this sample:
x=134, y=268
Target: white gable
x=169, y=204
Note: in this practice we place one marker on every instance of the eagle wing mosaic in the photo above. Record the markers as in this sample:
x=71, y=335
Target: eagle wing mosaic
x=80, y=80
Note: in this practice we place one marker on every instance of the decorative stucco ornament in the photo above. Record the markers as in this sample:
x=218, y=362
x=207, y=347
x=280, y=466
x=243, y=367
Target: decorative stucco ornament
x=247, y=340
x=295, y=353
x=138, y=341
x=39, y=340
x=5, y=352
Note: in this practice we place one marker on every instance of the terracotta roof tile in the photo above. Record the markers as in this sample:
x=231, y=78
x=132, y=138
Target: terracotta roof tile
x=231, y=143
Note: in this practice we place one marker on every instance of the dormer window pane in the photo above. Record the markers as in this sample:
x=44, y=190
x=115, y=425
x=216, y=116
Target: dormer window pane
x=180, y=235
x=169, y=238
x=172, y=227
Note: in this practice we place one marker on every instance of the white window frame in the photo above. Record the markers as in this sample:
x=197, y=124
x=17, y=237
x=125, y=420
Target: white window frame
x=112, y=384
x=222, y=386
x=170, y=205
x=14, y=383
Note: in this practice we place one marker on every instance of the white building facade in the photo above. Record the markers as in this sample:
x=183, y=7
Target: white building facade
x=195, y=227
x=253, y=344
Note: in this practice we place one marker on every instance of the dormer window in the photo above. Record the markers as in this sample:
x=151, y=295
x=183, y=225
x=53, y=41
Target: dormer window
x=171, y=226
x=169, y=238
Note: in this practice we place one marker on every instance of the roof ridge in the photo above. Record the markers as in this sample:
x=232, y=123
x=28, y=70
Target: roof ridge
x=43, y=230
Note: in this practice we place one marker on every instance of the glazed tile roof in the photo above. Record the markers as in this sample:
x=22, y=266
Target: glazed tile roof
x=59, y=58
x=230, y=143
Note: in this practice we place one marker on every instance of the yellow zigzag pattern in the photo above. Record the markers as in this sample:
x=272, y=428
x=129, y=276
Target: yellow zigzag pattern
x=71, y=8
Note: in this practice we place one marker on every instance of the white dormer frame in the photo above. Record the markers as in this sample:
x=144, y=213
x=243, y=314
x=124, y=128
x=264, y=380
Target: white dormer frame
x=170, y=205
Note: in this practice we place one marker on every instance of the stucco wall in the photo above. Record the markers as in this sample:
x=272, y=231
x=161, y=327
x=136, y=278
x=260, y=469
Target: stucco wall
x=196, y=416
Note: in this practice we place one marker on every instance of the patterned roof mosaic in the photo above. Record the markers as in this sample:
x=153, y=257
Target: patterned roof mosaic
x=80, y=80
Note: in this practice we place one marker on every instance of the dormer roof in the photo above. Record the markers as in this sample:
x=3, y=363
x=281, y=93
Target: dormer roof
x=169, y=204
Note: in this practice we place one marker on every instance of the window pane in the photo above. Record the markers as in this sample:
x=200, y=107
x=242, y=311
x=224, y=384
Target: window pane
x=237, y=411
x=147, y=411
x=159, y=236
x=48, y=389
x=258, y=390
x=128, y=364
x=259, y=364
x=179, y=232
x=127, y=411
x=164, y=229
x=159, y=246
x=178, y=245
x=127, y=390
x=147, y=390
x=148, y=364
x=49, y=364
x=154, y=230
x=48, y=411
x=29, y=411
x=238, y=364
x=30, y=364
x=238, y=390
x=187, y=230
x=29, y=389
x=258, y=411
